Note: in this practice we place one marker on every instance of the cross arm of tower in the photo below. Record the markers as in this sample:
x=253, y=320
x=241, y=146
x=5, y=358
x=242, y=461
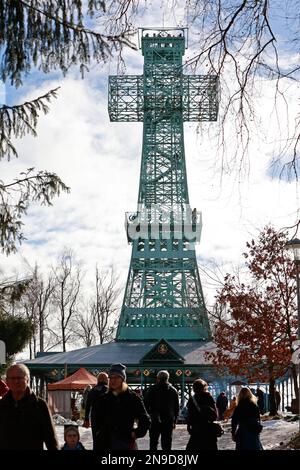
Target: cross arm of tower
x=195, y=96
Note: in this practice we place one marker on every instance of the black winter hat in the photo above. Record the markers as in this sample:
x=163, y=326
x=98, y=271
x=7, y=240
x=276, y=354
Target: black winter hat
x=118, y=369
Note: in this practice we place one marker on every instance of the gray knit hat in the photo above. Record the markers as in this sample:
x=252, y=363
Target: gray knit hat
x=118, y=369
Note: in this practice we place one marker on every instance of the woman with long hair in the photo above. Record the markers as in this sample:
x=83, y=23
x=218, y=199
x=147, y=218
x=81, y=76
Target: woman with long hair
x=245, y=422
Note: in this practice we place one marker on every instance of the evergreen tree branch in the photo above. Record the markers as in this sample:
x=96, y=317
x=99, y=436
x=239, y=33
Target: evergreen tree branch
x=11, y=291
x=51, y=35
x=17, y=121
x=15, y=198
x=79, y=28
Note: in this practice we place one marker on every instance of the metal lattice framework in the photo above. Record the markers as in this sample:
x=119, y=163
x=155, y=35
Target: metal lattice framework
x=163, y=296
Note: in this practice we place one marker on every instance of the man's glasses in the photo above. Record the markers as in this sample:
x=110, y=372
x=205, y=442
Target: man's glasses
x=16, y=379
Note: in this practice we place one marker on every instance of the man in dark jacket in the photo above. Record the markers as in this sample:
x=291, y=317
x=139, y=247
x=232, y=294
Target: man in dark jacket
x=260, y=400
x=222, y=403
x=116, y=412
x=94, y=395
x=25, y=420
x=162, y=403
x=277, y=400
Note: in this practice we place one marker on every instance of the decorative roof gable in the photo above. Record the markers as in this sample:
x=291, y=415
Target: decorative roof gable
x=162, y=352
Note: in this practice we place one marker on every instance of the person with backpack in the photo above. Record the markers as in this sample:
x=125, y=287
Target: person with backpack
x=202, y=413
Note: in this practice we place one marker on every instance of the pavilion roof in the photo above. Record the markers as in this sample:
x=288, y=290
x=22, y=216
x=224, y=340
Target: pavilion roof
x=128, y=352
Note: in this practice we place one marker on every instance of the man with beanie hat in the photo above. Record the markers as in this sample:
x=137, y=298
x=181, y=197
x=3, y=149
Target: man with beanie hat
x=116, y=414
x=162, y=403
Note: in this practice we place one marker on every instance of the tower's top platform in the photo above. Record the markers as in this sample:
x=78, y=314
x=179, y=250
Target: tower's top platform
x=158, y=38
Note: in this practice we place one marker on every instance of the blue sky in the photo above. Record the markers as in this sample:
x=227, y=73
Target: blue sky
x=100, y=161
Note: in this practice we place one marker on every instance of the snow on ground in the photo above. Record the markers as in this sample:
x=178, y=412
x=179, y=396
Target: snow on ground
x=275, y=434
x=278, y=432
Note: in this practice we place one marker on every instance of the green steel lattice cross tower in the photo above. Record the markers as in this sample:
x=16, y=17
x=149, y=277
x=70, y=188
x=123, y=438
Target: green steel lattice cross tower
x=163, y=296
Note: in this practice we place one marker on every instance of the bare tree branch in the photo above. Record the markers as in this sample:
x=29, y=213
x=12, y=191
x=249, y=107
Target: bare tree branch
x=84, y=327
x=104, y=306
x=68, y=278
x=238, y=39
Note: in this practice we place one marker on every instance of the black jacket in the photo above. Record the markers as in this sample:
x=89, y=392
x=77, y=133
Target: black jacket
x=245, y=426
x=26, y=424
x=199, y=419
x=162, y=402
x=222, y=402
x=245, y=412
x=114, y=417
x=94, y=395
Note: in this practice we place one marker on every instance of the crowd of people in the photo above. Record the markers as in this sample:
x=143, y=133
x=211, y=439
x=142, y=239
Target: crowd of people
x=118, y=416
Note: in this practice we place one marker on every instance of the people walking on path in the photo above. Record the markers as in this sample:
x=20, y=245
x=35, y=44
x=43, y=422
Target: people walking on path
x=25, y=420
x=120, y=416
x=222, y=403
x=72, y=439
x=245, y=422
x=202, y=412
x=162, y=403
x=93, y=396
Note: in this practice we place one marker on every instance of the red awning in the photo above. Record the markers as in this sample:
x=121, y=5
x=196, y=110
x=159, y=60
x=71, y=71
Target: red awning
x=77, y=381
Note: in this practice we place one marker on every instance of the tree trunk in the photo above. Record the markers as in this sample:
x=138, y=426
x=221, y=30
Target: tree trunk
x=30, y=349
x=34, y=346
x=63, y=339
x=42, y=387
x=42, y=331
x=272, y=401
x=294, y=371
